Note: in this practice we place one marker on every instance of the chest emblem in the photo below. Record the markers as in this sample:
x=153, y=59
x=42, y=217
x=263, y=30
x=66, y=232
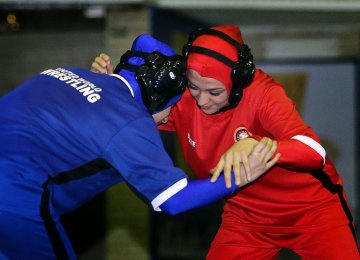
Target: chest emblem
x=240, y=133
x=191, y=141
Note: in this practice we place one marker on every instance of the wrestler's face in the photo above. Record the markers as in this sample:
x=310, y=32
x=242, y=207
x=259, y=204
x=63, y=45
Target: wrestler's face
x=210, y=94
x=162, y=116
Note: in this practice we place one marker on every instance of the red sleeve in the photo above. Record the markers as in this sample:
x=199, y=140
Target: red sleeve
x=297, y=143
x=296, y=155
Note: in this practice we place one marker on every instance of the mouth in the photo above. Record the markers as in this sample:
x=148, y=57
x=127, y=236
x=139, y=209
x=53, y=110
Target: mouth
x=207, y=110
x=205, y=107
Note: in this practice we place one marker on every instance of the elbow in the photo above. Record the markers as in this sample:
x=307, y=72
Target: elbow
x=170, y=211
x=319, y=164
x=315, y=165
x=171, y=208
x=315, y=161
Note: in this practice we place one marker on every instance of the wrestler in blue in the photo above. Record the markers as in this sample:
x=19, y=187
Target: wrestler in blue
x=68, y=134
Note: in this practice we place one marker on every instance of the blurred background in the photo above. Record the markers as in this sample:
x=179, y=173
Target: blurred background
x=312, y=47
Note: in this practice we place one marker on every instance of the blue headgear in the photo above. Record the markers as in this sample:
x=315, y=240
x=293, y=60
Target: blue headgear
x=155, y=73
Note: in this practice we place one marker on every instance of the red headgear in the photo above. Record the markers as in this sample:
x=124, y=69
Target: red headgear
x=210, y=67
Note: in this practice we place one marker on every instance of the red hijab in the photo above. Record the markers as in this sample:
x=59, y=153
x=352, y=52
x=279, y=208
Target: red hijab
x=209, y=67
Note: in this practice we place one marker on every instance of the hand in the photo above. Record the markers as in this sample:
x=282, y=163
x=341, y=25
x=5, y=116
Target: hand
x=260, y=159
x=102, y=64
x=231, y=159
x=248, y=159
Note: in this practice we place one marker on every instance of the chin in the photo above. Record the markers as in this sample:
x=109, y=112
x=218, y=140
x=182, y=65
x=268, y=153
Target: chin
x=208, y=111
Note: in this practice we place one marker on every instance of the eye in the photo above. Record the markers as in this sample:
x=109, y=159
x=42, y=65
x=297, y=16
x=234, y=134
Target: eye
x=215, y=93
x=191, y=87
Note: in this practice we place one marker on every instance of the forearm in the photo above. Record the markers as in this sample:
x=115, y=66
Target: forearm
x=301, y=153
x=197, y=193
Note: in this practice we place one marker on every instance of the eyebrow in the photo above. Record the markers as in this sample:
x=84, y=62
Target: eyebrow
x=212, y=89
x=190, y=82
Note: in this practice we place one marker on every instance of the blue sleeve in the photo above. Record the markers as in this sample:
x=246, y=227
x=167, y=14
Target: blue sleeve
x=137, y=152
x=198, y=193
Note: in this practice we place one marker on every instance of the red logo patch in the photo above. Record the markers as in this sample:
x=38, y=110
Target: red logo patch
x=240, y=133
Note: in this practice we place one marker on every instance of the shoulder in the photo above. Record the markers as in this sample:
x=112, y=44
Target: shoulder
x=263, y=80
x=263, y=91
x=186, y=103
x=262, y=84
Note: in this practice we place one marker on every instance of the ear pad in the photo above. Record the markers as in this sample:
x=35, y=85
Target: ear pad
x=242, y=74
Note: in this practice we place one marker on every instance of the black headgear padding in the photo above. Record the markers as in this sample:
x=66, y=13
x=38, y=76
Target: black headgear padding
x=160, y=77
x=202, y=31
x=211, y=53
x=243, y=69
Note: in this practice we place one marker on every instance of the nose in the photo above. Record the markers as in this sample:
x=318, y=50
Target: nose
x=202, y=99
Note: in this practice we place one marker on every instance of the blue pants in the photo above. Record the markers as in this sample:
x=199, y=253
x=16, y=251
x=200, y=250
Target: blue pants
x=32, y=234
x=29, y=237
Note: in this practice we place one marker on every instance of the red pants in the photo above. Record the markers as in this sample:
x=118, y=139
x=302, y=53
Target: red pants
x=338, y=243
